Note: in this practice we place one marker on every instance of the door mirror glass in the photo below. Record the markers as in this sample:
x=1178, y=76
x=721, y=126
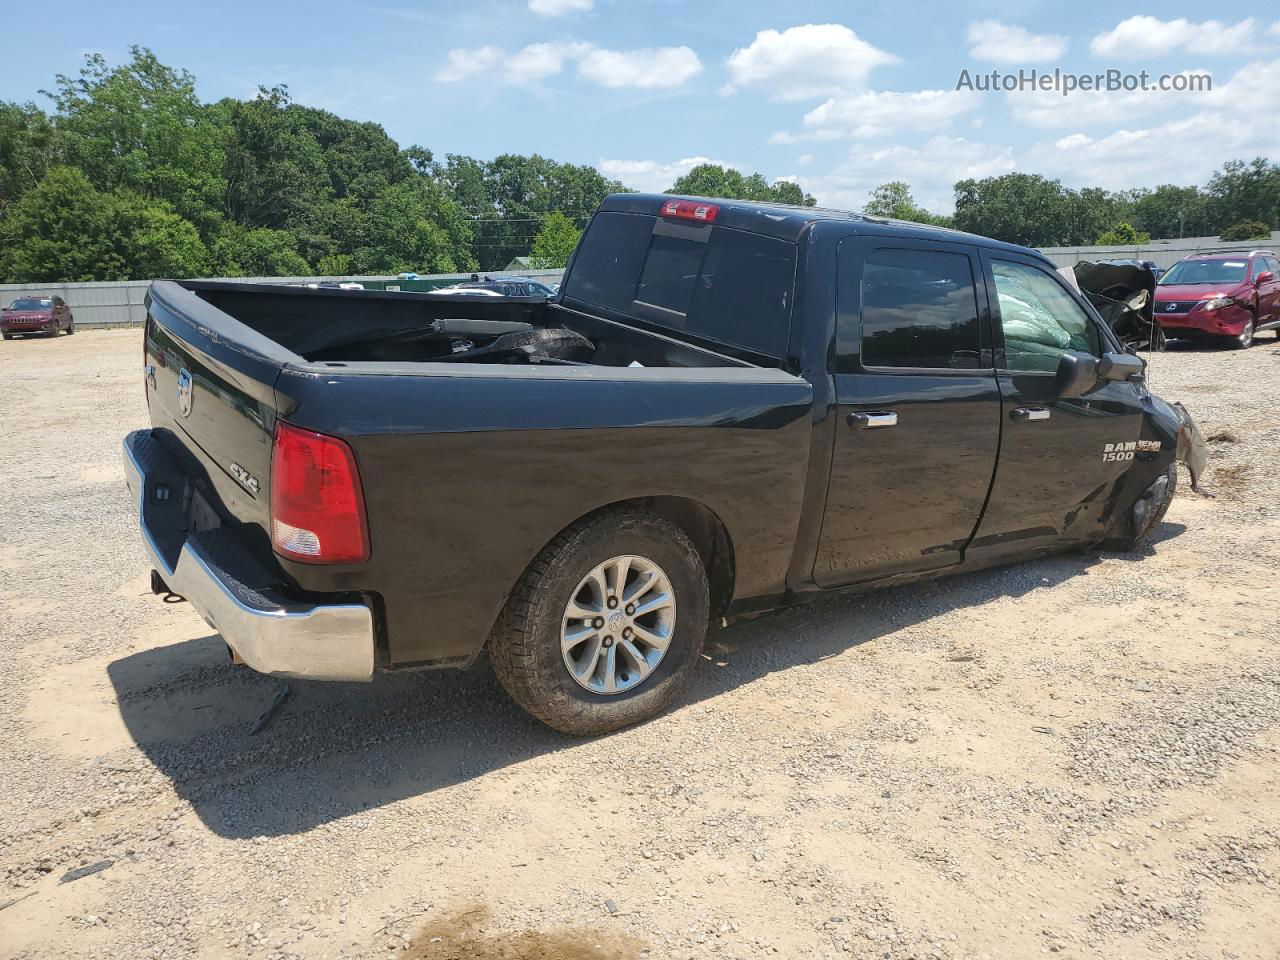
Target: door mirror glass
x=1077, y=374
x=1266, y=276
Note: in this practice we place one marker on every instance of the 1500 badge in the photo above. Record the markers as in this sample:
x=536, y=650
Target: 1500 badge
x=1125, y=450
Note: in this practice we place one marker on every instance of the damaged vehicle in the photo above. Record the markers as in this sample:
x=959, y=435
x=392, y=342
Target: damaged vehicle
x=1123, y=292
x=729, y=407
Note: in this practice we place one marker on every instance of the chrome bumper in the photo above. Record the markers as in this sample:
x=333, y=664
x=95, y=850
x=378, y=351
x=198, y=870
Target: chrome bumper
x=270, y=633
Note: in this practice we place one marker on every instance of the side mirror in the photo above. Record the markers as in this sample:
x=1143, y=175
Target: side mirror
x=1077, y=374
x=1121, y=366
x=1266, y=276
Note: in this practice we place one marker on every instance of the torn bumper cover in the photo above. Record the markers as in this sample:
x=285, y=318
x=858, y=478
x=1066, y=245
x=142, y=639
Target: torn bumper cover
x=1191, y=448
x=270, y=632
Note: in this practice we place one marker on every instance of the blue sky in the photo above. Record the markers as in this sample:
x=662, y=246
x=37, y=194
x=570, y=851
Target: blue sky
x=841, y=96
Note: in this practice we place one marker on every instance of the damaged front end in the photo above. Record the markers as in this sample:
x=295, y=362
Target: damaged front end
x=1124, y=296
x=1176, y=429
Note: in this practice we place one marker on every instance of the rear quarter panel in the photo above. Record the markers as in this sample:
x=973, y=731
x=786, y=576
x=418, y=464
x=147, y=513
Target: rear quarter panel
x=468, y=474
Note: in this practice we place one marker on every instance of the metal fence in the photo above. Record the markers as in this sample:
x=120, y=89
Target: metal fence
x=120, y=303
x=1165, y=253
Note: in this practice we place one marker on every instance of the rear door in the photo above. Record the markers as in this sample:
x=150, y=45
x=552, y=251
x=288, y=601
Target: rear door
x=1268, y=290
x=1060, y=459
x=918, y=409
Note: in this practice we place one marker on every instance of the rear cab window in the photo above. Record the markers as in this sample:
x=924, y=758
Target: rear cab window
x=714, y=283
x=908, y=307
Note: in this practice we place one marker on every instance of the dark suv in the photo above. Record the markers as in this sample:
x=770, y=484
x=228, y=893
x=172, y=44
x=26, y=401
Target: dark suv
x=1227, y=297
x=42, y=315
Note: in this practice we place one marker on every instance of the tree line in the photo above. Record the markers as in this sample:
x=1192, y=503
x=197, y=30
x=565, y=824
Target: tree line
x=1241, y=201
x=129, y=175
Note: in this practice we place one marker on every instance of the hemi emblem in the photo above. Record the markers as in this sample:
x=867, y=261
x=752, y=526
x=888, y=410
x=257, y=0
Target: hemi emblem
x=185, y=397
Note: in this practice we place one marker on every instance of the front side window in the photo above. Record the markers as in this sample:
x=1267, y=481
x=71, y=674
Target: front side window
x=1039, y=319
x=919, y=310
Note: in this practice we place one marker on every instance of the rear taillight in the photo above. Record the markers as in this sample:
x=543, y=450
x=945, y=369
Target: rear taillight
x=317, y=504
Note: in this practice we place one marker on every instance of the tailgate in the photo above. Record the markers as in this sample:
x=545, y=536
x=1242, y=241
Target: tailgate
x=210, y=391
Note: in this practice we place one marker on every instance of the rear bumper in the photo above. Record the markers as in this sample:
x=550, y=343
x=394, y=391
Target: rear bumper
x=271, y=633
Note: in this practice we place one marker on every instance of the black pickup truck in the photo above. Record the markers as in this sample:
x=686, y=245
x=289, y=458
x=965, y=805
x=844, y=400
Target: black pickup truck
x=729, y=407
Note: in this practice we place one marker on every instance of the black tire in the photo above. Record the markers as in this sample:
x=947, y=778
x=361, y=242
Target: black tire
x=8, y=336
x=71, y=328
x=1131, y=539
x=525, y=645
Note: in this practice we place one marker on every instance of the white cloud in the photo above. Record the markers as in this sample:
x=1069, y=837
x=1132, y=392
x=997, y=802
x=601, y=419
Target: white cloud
x=931, y=169
x=814, y=60
x=1143, y=157
x=875, y=114
x=558, y=8
x=663, y=67
x=1049, y=108
x=998, y=42
x=804, y=159
x=650, y=176
x=647, y=69
x=1144, y=36
x=1253, y=83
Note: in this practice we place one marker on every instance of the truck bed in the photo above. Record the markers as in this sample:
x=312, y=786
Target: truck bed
x=469, y=468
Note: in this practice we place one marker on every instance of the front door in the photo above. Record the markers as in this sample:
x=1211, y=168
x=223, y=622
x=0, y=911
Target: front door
x=1060, y=459
x=918, y=410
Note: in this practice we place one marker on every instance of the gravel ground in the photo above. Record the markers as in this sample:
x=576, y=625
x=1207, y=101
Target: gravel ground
x=1076, y=756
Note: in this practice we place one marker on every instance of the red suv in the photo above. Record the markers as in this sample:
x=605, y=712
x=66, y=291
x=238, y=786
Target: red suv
x=1224, y=296
x=44, y=315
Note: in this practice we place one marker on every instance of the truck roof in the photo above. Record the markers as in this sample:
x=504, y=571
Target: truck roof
x=788, y=222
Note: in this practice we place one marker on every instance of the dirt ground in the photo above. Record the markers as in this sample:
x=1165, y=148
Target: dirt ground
x=1077, y=756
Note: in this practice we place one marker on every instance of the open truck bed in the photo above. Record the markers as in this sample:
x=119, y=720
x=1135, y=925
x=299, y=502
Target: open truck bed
x=468, y=468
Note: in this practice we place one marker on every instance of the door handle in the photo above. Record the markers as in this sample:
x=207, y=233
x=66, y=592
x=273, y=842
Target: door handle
x=873, y=420
x=1030, y=414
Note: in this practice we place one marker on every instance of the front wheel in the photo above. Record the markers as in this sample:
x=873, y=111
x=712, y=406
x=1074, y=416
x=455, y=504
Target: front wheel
x=71, y=328
x=1244, y=339
x=605, y=627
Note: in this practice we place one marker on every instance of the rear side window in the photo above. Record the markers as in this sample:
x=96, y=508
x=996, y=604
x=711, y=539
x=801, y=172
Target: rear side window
x=919, y=309
x=728, y=286
x=607, y=266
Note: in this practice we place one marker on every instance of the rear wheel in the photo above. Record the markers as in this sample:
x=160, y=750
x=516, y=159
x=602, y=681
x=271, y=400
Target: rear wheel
x=605, y=627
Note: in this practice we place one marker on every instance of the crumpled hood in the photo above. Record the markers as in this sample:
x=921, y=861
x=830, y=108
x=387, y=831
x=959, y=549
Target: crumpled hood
x=1124, y=295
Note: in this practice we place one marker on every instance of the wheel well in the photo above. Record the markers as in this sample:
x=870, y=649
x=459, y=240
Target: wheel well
x=708, y=533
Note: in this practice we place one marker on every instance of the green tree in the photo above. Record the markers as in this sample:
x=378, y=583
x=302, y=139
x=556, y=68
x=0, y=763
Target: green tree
x=65, y=229
x=1122, y=234
x=141, y=127
x=1246, y=230
x=412, y=226
x=894, y=200
x=257, y=252
x=28, y=148
x=1018, y=207
x=713, y=180
x=1169, y=211
x=555, y=242
x=1244, y=191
